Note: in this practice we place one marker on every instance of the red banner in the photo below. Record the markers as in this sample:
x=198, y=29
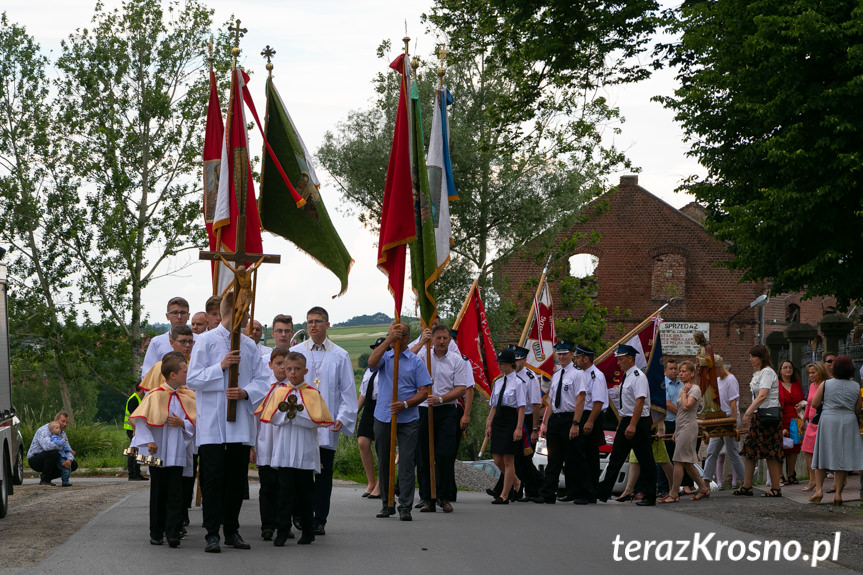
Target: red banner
x=474, y=341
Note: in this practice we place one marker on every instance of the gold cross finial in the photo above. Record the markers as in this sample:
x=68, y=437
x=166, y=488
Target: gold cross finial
x=441, y=53
x=238, y=33
x=268, y=53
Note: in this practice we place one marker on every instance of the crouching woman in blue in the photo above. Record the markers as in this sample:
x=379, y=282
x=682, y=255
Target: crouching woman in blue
x=504, y=423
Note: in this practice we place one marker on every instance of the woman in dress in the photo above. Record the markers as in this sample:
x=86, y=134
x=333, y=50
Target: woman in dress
x=837, y=442
x=365, y=428
x=504, y=423
x=764, y=440
x=685, y=437
x=790, y=394
x=817, y=375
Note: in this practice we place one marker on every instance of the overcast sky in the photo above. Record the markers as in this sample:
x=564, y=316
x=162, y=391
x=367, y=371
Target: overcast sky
x=327, y=50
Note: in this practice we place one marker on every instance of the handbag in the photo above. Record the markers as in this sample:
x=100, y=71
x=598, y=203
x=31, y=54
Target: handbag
x=770, y=414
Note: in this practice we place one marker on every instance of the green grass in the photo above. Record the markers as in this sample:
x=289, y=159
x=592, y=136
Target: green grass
x=356, y=340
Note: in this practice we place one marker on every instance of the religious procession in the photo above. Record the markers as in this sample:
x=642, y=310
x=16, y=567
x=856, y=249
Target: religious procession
x=652, y=417
x=215, y=398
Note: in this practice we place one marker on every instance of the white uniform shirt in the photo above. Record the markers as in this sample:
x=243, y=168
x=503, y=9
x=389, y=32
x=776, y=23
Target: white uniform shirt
x=210, y=382
x=634, y=386
x=468, y=374
x=447, y=373
x=295, y=441
x=364, y=386
x=595, y=386
x=265, y=352
x=570, y=379
x=331, y=372
x=532, y=391
x=513, y=391
x=729, y=390
x=172, y=442
x=264, y=443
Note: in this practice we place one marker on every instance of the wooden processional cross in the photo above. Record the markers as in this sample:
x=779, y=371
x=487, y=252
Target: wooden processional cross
x=243, y=291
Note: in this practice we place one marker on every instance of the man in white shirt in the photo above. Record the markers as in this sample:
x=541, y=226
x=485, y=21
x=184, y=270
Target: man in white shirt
x=332, y=374
x=729, y=393
x=592, y=400
x=633, y=431
x=178, y=314
x=223, y=446
x=448, y=384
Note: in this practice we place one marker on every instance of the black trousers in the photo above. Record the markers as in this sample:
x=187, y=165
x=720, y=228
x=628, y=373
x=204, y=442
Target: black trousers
x=324, y=486
x=591, y=444
x=166, y=501
x=562, y=454
x=224, y=471
x=48, y=464
x=189, y=489
x=445, y=445
x=268, y=497
x=296, y=488
x=641, y=444
x=131, y=463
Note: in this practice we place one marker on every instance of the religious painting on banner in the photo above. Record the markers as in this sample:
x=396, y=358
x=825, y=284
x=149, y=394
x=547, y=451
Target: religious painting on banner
x=642, y=341
x=474, y=341
x=541, y=335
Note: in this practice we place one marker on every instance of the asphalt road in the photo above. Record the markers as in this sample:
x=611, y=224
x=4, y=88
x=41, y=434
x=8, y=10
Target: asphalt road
x=477, y=538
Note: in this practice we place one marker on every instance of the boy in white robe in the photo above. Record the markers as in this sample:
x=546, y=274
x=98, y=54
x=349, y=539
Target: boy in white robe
x=296, y=411
x=268, y=494
x=164, y=428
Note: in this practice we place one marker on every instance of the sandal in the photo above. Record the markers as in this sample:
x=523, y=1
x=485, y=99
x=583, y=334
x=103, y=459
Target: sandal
x=743, y=491
x=701, y=495
x=625, y=498
x=669, y=499
x=784, y=481
x=792, y=479
x=773, y=493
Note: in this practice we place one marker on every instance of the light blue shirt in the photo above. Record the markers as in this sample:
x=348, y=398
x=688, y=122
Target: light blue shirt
x=672, y=392
x=413, y=374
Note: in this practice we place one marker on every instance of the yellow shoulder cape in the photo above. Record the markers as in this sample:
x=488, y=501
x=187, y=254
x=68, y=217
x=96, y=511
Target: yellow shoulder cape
x=154, y=408
x=153, y=378
x=312, y=401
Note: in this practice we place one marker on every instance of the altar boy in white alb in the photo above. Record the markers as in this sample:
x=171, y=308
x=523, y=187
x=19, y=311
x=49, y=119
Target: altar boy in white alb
x=223, y=446
x=295, y=411
x=331, y=373
x=164, y=428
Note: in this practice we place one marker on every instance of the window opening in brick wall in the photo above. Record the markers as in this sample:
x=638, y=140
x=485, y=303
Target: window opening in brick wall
x=581, y=272
x=669, y=277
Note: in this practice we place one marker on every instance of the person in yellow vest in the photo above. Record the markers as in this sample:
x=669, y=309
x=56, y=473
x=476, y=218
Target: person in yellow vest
x=131, y=463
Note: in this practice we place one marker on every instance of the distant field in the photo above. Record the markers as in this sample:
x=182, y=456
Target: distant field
x=356, y=340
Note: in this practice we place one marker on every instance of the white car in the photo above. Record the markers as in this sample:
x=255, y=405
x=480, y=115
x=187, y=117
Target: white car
x=540, y=459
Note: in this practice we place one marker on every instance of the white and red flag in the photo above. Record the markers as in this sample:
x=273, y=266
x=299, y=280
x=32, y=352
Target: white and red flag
x=541, y=335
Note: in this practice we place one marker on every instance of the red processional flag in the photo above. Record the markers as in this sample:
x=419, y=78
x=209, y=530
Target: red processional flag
x=397, y=216
x=642, y=340
x=541, y=335
x=217, y=204
x=474, y=341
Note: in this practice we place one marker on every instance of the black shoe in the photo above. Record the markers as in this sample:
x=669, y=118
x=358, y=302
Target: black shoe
x=378, y=496
x=267, y=535
x=66, y=485
x=428, y=507
x=173, y=543
x=566, y=498
x=499, y=501
x=581, y=501
x=298, y=524
x=405, y=516
x=319, y=528
x=283, y=536
x=386, y=512
x=305, y=539
x=186, y=522
x=490, y=492
x=625, y=498
x=45, y=482
x=212, y=544
x=156, y=540
x=183, y=532
x=645, y=502
x=236, y=542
